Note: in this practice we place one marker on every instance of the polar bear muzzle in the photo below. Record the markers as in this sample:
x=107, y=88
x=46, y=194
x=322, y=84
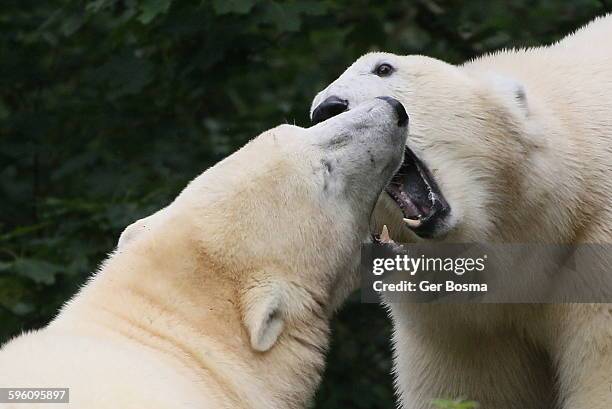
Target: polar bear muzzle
x=331, y=107
x=418, y=196
x=413, y=187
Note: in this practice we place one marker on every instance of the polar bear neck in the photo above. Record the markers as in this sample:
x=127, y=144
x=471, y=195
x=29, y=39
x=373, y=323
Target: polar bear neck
x=136, y=299
x=565, y=183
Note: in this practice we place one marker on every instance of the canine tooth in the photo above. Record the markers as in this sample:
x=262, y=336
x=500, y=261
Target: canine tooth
x=384, y=235
x=412, y=222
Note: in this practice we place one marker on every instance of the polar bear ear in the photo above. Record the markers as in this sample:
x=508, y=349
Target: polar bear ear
x=139, y=227
x=263, y=315
x=132, y=231
x=510, y=90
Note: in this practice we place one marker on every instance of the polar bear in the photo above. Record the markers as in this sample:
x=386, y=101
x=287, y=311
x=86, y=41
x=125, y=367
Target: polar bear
x=512, y=147
x=223, y=299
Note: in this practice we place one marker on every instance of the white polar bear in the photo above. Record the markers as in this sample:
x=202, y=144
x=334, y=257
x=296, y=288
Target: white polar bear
x=223, y=299
x=512, y=147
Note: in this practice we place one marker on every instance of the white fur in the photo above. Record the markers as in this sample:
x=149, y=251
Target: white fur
x=223, y=298
x=519, y=142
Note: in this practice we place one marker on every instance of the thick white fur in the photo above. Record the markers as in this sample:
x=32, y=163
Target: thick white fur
x=520, y=144
x=223, y=298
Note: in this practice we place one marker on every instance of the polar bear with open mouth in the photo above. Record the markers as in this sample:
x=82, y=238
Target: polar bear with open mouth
x=223, y=299
x=513, y=147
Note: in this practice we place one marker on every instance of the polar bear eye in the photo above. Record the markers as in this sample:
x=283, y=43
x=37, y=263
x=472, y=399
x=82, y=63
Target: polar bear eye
x=383, y=70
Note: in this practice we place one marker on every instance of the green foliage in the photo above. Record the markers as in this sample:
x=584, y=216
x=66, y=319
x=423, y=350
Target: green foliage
x=109, y=107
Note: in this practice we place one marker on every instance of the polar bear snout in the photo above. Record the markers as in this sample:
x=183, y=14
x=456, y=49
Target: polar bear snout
x=331, y=107
x=334, y=105
x=402, y=115
x=378, y=124
x=362, y=148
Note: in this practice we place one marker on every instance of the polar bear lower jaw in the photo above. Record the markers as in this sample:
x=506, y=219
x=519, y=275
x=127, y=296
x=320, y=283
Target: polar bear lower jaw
x=416, y=193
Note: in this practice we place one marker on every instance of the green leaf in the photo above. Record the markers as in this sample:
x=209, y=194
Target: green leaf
x=286, y=16
x=97, y=5
x=37, y=270
x=71, y=24
x=125, y=74
x=12, y=293
x=149, y=9
x=4, y=110
x=233, y=6
x=22, y=308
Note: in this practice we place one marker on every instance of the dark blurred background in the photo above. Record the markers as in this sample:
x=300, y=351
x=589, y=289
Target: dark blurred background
x=109, y=107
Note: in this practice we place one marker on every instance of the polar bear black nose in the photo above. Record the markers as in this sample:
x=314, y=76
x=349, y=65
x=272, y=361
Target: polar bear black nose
x=332, y=106
x=400, y=111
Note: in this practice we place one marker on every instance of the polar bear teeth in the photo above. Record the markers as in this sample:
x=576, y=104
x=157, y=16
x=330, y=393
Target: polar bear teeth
x=414, y=223
x=417, y=194
x=384, y=237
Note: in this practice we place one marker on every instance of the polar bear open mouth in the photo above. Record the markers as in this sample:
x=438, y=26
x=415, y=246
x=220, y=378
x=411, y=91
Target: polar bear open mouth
x=417, y=194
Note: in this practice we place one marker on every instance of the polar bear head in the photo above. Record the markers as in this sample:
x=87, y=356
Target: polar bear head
x=468, y=143
x=284, y=217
